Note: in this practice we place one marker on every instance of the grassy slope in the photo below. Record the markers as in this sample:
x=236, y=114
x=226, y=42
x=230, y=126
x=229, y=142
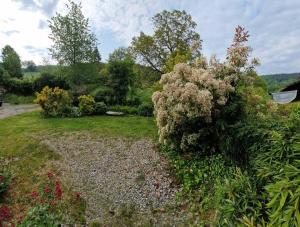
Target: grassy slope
x=29, y=160
x=278, y=81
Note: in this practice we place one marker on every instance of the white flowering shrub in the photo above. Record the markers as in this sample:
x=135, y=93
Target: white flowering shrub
x=194, y=97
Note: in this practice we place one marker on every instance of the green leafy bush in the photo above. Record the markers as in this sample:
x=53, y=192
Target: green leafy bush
x=86, y=104
x=55, y=102
x=19, y=86
x=42, y=216
x=103, y=94
x=145, y=109
x=100, y=108
x=237, y=199
x=5, y=177
x=74, y=112
x=50, y=80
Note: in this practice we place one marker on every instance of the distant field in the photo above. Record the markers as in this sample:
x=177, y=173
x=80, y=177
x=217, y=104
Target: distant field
x=29, y=75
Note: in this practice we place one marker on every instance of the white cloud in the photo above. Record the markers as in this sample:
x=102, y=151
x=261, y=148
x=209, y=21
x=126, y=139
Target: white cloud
x=273, y=25
x=25, y=24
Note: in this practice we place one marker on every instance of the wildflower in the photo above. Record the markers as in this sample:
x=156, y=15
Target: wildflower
x=58, y=190
x=47, y=190
x=5, y=214
x=50, y=175
x=34, y=194
x=77, y=195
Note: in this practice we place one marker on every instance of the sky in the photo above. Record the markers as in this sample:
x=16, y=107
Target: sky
x=273, y=25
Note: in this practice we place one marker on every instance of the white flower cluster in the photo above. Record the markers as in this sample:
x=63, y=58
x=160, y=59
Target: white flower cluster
x=188, y=93
x=193, y=95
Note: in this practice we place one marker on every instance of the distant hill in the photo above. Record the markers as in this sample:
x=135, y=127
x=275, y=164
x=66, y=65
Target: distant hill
x=276, y=82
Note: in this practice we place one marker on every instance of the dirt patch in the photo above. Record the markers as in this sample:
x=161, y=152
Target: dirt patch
x=8, y=110
x=117, y=173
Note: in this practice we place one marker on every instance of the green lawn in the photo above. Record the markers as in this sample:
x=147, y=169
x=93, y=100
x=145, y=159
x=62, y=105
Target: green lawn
x=29, y=160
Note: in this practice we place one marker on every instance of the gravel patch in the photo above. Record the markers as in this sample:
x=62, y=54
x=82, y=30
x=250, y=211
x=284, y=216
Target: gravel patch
x=8, y=110
x=111, y=173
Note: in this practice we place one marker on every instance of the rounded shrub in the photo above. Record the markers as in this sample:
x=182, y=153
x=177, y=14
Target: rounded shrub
x=55, y=102
x=100, y=108
x=75, y=112
x=145, y=109
x=86, y=104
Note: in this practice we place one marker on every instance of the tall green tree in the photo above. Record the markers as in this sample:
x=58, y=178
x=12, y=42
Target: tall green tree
x=120, y=54
x=174, y=38
x=11, y=62
x=120, y=74
x=73, y=41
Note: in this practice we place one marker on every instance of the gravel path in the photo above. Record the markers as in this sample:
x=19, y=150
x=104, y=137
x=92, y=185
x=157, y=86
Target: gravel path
x=8, y=110
x=113, y=173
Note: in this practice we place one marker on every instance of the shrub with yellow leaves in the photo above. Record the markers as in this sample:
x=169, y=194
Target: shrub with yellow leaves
x=55, y=102
x=86, y=104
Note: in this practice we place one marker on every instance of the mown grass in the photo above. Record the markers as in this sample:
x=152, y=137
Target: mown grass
x=29, y=160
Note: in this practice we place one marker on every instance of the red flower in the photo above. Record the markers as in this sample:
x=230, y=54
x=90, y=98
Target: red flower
x=77, y=195
x=1, y=178
x=50, y=174
x=34, y=194
x=5, y=214
x=58, y=190
x=47, y=190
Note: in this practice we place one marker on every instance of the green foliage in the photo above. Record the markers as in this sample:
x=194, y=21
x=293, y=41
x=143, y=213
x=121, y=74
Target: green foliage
x=174, y=35
x=19, y=86
x=11, y=62
x=41, y=216
x=103, y=94
x=82, y=73
x=237, y=199
x=4, y=76
x=74, y=111
x=18, y=99
x=125, y=109
x=95, y=224
x=145, y=109
x=5, y=177
x=50, y=80
x=176, y=58
x=100, y=108
x=55, y=102
x=86, y=104
x=276, y=82
x=73, y=42
x=120, y=54
x=120, y=73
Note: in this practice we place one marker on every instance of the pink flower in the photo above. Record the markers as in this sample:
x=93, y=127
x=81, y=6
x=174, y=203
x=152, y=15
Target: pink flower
x=5, y=214
x=77, y=195
x=34, y=194
x=58, y=190
x=47, y=190
x=50, y=175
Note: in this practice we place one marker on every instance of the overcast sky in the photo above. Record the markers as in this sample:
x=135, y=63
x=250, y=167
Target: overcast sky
x=274, y=26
